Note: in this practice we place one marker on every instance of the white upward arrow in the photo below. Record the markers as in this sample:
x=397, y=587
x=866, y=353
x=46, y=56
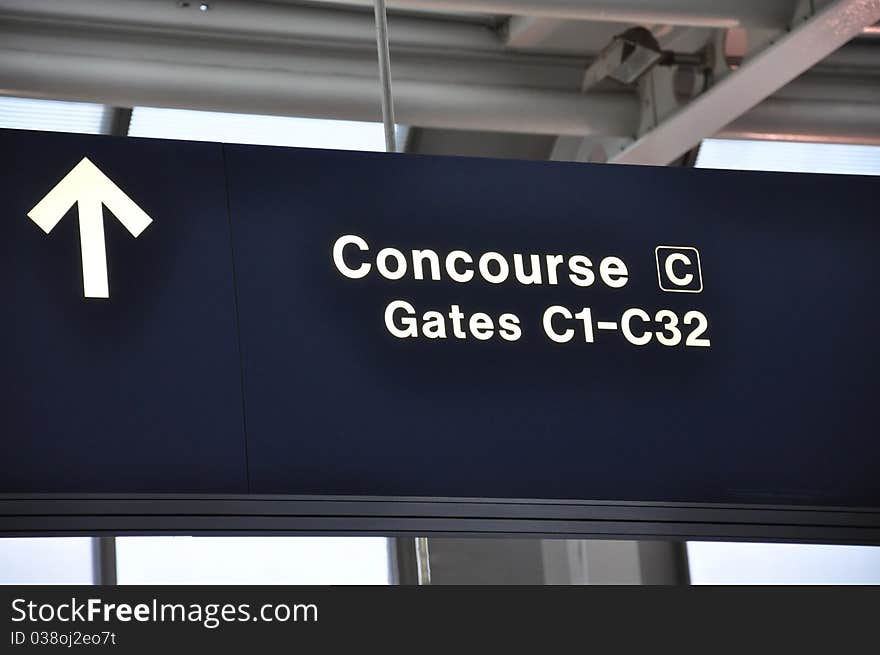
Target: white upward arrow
x=89, y=188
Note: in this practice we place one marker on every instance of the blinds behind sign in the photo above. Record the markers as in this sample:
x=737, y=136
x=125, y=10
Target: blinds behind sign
x=256, y=130
x=789, y=157
x=54, y=116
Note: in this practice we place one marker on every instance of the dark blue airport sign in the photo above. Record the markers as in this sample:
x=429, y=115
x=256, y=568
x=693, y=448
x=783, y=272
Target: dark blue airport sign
x=425, y=326
x=234, y=319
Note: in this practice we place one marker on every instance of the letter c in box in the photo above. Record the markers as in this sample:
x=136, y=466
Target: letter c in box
x=678, y=269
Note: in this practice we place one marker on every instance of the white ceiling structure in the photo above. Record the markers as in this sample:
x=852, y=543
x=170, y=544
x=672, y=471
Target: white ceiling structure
x=774, y=69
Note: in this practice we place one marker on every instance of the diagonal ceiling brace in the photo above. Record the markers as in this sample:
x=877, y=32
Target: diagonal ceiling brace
x=759, y=77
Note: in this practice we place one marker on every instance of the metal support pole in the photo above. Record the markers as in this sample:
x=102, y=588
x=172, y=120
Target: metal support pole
x=423, y=556
x=403, y=561
x=120, y=121
x=385, y=75
x=104, y=560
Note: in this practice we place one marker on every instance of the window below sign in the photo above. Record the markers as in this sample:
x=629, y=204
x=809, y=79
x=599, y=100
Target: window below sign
x=740, y=563
x=46, y=560
x=252, y=560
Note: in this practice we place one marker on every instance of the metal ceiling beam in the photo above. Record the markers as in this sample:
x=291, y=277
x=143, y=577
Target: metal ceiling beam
x=268, y=19
x=698, y=13
x=239, y=55
x=819, y=115
x=529, y=31
x=815, y=121
x=754, y=81
x=125, y=65
x=271, y=91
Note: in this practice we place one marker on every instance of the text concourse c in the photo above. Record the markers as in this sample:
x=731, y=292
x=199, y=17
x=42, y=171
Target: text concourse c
x=679, y=271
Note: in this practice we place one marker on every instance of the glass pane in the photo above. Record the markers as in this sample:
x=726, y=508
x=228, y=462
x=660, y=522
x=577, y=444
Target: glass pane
x=736, y=563
x=46, y=560
x=252, y=560
x=794, y=157
x=255, y=129
x=54, y=115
